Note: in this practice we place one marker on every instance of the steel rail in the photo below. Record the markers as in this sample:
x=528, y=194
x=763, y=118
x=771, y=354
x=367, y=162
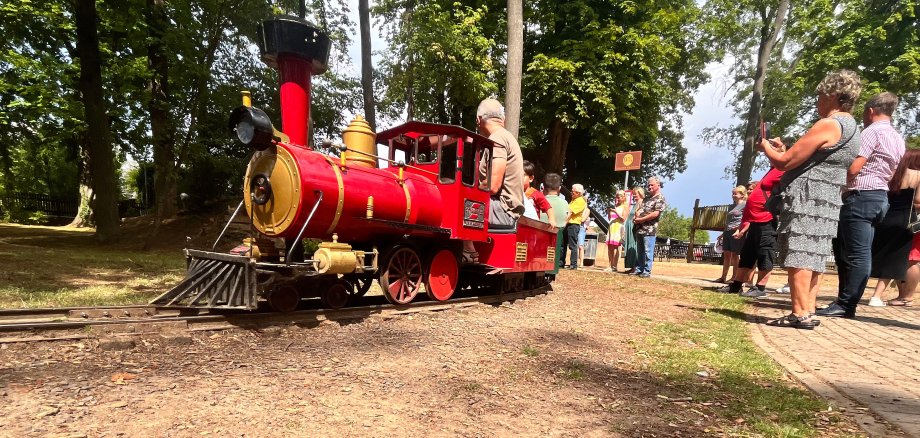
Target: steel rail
x=223, y=321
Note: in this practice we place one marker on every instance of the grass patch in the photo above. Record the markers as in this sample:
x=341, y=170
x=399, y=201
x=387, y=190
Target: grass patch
x=712, y=359
x=530, y=351
x=50, y=267
x=573, y=370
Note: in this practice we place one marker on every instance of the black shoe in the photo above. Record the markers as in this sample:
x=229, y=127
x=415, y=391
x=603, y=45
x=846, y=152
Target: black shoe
x=572, y=267
x=645, y=275
x=835, y=310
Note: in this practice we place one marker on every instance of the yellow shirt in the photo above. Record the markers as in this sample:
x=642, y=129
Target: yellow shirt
x=576, y=208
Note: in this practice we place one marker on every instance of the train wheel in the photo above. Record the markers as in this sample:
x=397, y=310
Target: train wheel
x=401, y=276
x=362, y=283
x=442, y=275
x=336, y=296
x=284, y=298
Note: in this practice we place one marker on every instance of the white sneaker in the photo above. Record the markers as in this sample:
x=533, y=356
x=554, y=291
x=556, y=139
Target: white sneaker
x=783, y=290
x=876, y=302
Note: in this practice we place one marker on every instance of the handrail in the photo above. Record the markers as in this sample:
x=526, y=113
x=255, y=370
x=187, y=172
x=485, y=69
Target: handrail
x=344, y=148
x=319, y=194
x=221, y=236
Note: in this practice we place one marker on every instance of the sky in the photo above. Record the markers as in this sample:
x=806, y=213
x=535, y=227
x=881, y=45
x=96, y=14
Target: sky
x=704, y=177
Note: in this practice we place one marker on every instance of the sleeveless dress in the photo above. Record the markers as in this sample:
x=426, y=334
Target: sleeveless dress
x=892, y=241
x=617, y=219
x=811, y=202
x=631, y=251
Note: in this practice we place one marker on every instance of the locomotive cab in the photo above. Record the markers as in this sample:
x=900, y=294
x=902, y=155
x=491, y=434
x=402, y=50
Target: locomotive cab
x=456, y=160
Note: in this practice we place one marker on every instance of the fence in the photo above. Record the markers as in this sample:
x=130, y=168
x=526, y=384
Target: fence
x=700, y=253
x=709, y=218
x=61, y=207
x=50, y=205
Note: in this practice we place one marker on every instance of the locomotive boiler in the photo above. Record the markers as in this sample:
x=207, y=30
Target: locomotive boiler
x=399, y=216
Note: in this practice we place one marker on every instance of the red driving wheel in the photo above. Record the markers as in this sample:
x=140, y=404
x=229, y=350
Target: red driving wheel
x=401, y=276
x=442, y=275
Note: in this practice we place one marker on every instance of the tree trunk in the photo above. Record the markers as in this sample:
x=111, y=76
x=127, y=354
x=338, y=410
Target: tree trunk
x=768, y=35
x=99, y=139
x=558, y=143
x=164, y=155
x=84, y=216
x=515, y=66
x=367, y=68
x=410, y=93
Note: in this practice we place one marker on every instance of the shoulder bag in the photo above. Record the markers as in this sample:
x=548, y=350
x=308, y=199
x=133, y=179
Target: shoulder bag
x=776, y=200
x=913, y=222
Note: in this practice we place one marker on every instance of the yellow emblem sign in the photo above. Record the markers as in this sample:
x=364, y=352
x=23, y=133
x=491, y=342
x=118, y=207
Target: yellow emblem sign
x=628, y=160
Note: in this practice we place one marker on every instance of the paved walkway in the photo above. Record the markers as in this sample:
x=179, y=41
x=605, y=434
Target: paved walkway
x=868, y=363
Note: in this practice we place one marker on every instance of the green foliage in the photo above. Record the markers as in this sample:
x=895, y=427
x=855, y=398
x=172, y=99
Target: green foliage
x=20, y=216
x=208, y=44
x=441, y=56
x=676, y=226
x=879, y=40
x=618, y=73
x=140, y=183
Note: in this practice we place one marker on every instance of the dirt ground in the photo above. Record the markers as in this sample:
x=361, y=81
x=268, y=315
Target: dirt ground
x=569, y=363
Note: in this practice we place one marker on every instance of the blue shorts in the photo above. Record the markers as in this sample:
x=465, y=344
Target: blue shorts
x=582, y=231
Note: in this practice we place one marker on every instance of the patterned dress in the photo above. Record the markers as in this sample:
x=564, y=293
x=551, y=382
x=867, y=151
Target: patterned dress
x=811, y=202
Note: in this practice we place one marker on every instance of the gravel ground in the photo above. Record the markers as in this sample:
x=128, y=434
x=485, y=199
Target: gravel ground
x=568, y=363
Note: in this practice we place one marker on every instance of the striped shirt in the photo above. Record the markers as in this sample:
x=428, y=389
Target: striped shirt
x=883, y=147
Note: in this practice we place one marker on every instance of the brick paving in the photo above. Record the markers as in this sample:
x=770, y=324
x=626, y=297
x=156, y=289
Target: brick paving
x=867, y=365
x=873, y=359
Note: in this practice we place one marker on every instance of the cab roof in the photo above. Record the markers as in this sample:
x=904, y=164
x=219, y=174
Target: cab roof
x=415, y=129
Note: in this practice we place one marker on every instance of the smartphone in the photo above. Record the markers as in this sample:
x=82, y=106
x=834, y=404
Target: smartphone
x=764, y=131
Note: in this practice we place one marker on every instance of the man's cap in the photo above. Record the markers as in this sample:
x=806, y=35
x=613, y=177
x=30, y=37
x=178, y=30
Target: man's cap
x=578, y=188
x=490, y=109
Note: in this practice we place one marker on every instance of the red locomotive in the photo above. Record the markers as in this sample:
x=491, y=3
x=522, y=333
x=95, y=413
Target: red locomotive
x=399, y=219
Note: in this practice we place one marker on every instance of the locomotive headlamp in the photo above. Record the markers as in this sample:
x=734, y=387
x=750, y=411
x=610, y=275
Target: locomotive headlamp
x=252, y=127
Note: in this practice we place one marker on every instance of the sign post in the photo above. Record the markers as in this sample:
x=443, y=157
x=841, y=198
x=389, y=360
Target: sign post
x=627, y=161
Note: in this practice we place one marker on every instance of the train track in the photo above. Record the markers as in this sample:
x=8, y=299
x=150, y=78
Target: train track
x=41, y=324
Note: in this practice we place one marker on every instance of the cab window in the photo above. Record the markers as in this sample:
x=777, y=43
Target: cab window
x=427, y=149
x=448, y=169
x=402, y=148
x=470, y=163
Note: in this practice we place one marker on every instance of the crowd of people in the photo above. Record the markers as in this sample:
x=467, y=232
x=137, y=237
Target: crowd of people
x=840, y=191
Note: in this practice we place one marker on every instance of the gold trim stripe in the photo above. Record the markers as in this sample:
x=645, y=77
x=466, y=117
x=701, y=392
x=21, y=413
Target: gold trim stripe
x=408, y=202
x=341, y=202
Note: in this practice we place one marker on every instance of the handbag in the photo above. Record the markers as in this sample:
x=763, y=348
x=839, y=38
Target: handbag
x=776, y=200
x=913, y=222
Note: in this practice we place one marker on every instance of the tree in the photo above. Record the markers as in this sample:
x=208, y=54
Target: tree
x=367, y=66
x=772, y=20
x=161, y=125
x=513, y=70
x=604, y=77
x=676, y=226
x=99, y=151
x=878, y=39
x=441, y=60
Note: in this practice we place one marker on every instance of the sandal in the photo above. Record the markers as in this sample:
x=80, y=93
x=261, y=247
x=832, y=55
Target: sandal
x=720, y=280
x=814, y=319
x=791, y=320
x=470, y=256
x=897, y=302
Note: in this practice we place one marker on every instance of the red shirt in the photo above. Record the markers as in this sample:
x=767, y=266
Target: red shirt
x=754, y=210
x=539, y=200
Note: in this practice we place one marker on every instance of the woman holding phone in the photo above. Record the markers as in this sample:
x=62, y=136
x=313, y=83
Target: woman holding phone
x=816, y=168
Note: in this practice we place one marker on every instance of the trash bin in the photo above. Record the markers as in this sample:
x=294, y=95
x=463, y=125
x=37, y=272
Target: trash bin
x=590, y=249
